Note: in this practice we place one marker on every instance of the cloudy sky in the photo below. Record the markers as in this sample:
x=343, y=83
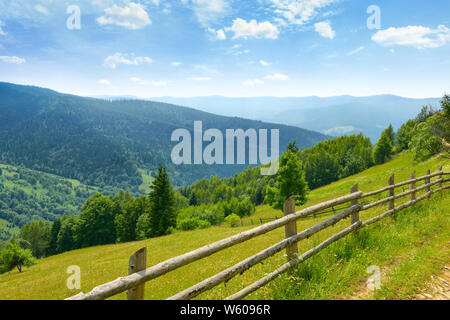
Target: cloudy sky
x=153, y=48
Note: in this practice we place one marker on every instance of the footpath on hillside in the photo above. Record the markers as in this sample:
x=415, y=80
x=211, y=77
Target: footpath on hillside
x=438, y=288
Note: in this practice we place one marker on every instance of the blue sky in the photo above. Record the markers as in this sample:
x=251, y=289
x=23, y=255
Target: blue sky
x=183, y=48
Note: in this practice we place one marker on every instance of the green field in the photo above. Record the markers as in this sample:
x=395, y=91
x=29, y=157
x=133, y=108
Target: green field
x=408, y=249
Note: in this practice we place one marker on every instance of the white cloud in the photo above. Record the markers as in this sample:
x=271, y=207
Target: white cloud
x=325, y=29
x=206, y=69
x=414, y=36
x=351, y=53
x=299, y=11
x=218, y=34
x=133, y=16
x=160, y=83
x=155, y=83
x=104, y=82
x=176, y=64
x=120, y=58
x=264, y=63
x=277, y=76
x=208, y=11
x=253, y=29
x=12, y=59
x=200, y=78
x=41, y=9
x=252, y=83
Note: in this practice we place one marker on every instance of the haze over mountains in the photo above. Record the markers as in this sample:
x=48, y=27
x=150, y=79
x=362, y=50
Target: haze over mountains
x=332, y=115
x=111, y=143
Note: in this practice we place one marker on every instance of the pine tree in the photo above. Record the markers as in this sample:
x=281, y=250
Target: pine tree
x=163, y=204
x=193, y=199
x=53, y=243
x=391, y=134
x=383, y=149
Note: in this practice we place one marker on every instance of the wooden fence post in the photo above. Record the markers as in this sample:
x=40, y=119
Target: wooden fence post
x=391, y=203
x=428, y=181
x=138, y=262
x=291, y=228
x=440, y=177
x=355, y=215
x=412, y=186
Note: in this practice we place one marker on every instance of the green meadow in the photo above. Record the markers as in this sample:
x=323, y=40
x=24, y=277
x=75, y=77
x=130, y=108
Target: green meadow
x=408, y=249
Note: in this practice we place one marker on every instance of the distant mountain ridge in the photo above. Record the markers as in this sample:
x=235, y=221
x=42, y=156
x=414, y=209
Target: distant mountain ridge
x=331, y=115
x=110, y=143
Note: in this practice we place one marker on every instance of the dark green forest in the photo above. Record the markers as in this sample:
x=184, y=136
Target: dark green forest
x=104, y=143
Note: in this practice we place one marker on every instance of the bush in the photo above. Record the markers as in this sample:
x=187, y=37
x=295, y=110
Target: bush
x=192, y=224
x=233, y=220
x=15, y=257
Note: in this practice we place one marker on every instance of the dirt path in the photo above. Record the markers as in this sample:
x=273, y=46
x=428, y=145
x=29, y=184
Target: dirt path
x=438, y=288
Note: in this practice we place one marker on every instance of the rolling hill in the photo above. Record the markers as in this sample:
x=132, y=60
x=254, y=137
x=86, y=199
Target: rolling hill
x=107, y=143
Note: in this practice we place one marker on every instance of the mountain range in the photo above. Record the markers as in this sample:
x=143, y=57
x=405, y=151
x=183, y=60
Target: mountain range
x=111, y=143
x=333, y=116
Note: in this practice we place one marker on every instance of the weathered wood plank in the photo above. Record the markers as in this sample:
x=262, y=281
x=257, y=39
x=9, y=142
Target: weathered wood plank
x=290, y=229
x=138, y=262
x=263, y=281
x=355, y=215
x=412, y=187
x=391, y=203
x=404, y=183
x=122, y=284
x=255, y=259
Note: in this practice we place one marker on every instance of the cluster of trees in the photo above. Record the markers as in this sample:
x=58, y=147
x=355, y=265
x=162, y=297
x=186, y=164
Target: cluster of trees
x=206, y=215
x=426, y=135
x=335, y=159
x=107, y=219
x=13, y=256
x=27, y=195
x=122, y=218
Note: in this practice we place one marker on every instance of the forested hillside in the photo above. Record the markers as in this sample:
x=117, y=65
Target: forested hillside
x=27, y=195
x=109, y=143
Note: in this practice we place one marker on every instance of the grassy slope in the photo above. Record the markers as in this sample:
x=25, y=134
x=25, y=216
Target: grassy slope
x=47, y=280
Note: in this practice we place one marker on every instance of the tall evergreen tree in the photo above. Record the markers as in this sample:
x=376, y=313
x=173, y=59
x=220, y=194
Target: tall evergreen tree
x=53, y=242
x=391, y=134
x=163, y=213
x=383, y=149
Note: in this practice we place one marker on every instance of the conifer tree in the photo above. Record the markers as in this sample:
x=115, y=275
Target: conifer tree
x=383, y=149
x=163, y=204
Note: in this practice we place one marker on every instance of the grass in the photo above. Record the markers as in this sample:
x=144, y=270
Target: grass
x=408, y=250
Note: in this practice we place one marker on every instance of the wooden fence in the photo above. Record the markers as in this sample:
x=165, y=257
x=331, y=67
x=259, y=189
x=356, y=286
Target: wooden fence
x=353, y=203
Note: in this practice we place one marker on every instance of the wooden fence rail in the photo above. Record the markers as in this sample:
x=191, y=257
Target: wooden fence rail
x=134, y=283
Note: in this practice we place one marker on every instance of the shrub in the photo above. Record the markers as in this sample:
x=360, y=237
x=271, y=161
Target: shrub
x=233, y=220
x=192, y=224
